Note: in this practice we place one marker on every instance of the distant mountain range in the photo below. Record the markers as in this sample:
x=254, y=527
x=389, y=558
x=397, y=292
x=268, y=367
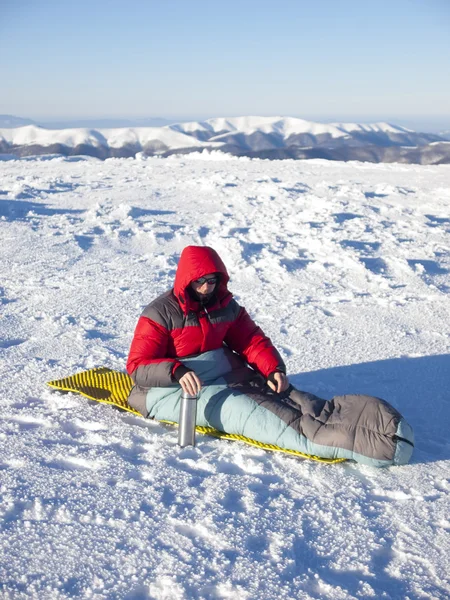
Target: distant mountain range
x=9, y=121
x=256, y=137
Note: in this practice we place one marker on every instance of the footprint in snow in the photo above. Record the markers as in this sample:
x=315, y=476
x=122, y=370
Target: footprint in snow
x=364, y=248
x=189, y=466
x=9, y=343
x=232, y=501
x=342, y=217
x=28, y=423
x=85, y=242
x=375, y=195
x=437, y=221
x=74, y=464
x=203, y=231
x=376, y=265
x=429, y=270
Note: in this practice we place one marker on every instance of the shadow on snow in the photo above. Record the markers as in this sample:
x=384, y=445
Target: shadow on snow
x=417, y=387
x=19, y=210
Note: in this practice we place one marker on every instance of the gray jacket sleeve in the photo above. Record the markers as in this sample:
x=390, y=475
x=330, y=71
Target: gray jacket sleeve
x=148, y=363
x=154, y=375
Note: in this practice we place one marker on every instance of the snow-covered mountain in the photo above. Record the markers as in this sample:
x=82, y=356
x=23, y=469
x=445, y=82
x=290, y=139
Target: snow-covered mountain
x=258, y=137
x=264, y=133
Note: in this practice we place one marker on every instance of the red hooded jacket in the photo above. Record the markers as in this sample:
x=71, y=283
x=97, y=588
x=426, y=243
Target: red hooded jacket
x=175, y=325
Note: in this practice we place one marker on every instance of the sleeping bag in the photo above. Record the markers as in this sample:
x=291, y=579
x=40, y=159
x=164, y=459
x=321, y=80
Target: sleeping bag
x=235, y=399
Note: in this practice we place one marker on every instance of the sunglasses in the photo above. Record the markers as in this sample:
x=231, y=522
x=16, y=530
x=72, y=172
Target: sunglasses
x=208, y=280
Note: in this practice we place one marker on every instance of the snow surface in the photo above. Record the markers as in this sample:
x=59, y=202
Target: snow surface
x=345, y=265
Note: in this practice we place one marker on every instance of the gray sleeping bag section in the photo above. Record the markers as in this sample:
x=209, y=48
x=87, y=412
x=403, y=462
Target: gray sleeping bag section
x=234, y=400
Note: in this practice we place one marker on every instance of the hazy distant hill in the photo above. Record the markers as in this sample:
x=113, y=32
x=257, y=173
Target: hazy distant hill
x=259, y=137
x=106, y=123
x=7, y=121
x=10, y=121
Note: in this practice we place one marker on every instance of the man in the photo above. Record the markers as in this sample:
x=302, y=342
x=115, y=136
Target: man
x=198, y=315
x=189, y=333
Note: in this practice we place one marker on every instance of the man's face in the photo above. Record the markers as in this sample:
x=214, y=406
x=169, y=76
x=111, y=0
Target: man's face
x=205, y=286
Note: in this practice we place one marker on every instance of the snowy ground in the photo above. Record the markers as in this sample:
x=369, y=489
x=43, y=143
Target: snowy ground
x=345, y=265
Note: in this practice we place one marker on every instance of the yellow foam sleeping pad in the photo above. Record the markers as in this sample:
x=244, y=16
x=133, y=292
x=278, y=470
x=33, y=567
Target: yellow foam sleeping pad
x=113, y=387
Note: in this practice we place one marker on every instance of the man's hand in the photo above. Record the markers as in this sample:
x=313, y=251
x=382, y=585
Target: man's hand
x=190, y=383
x=279, y=382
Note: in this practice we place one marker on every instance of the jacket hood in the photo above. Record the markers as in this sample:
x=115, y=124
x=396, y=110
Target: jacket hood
x=196, y=262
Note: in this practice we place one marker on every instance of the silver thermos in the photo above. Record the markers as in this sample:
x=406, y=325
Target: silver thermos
x=188, y=418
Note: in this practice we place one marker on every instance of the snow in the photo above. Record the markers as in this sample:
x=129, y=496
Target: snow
x=286, y=125
x=31, y=134
x=244, y=124
x=371, y=127
x=345, y=265
x=118, y=137
x=113, y=138
x=180, y=135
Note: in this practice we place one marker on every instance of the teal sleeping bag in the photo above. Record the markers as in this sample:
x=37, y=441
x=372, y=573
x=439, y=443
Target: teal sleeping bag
x=234, y=399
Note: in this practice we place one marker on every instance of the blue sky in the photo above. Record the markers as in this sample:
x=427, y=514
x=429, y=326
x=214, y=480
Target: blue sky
x=203, y=58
